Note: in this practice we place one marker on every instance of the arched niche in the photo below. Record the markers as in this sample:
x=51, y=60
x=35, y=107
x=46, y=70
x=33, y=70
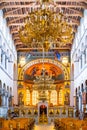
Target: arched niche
x=50, y=61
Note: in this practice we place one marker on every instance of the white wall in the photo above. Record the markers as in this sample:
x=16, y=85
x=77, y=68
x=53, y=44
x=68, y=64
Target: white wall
x=9, y=52
x=79, y=56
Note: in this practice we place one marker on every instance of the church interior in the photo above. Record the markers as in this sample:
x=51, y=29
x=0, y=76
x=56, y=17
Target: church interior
x=43, y=64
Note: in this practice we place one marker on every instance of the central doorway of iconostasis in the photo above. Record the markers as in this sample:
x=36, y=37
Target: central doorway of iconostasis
x=43, y=110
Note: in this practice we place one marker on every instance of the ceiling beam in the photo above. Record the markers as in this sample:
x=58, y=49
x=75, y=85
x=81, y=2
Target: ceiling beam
x=56, y=48
x=22, y=24
x=11, y=11
x=18, y=6
x=15, y=15
x=7, y=1
x=35, y=1
x=27, y=6
x=16, y=24
x=75, y=11
x=25, y=15
x=18, y=43
x=14, y=10
x=16, y=38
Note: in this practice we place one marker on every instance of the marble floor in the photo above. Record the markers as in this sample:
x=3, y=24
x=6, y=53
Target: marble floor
x=44, y=127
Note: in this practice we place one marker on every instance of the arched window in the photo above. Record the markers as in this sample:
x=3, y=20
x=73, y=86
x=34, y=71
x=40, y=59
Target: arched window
x=27, y=96
x=60, y=96
x=76, y=92
x=0, y=84
x=86, y=41
x=78, y=89
x=34, y=97
x=6, y=56
x=10, y=58
x=10, y=90
x=86, y=85
x=4, y=86
x=0, y=41
x=7, y=88
x=54, y=97
x=85, y=54
x=82, y=89
x=86, y=82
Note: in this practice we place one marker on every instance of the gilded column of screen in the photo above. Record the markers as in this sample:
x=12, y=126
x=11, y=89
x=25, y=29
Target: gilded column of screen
x=57, y=97
x=49, y=96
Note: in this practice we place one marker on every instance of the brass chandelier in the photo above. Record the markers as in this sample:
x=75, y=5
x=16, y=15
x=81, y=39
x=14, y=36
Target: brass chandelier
x=42, y=84
x=46, y=26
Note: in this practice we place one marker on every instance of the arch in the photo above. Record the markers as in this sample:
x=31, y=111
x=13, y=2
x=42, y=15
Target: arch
x=86, y=85
x=4, y=86
x=7, y=51
x=76, y=91
x=0, y=40
x=86, y=82
x=54, y=62
x=10, y=57
x=8, y=88
x=85, y=40
x=0, y=91
x=82, y=46
x=0, y=84
x=4, y=45
x=82, y=87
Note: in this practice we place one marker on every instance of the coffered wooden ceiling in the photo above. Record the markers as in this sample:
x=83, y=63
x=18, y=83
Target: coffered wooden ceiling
x=15, y=12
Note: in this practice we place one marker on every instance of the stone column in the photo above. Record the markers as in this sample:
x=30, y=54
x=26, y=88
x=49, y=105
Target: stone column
x=3, y=100
x=79, y=65
x=0, y=55
x=83, y=59
x=86, y=55
x=6, y=99
x=79, y=100
x=74, y=101
x=86, y=99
